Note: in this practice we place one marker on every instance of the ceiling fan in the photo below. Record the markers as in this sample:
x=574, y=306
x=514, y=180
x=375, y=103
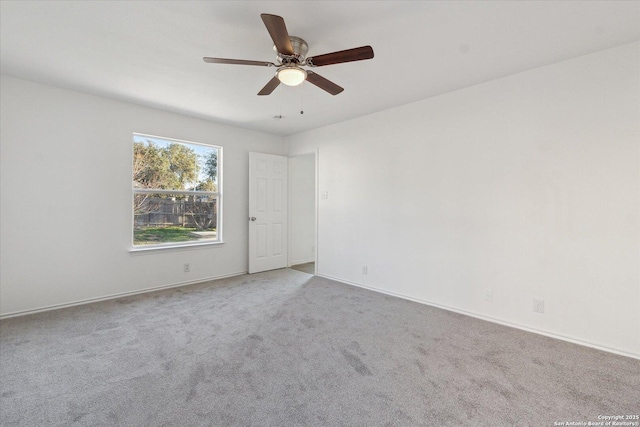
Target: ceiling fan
x=291, y=53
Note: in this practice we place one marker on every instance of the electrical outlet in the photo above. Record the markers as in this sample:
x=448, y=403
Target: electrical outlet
x=313, y=249
x=187, y=267
x=538, y=305
x=365, y=270
x=488, y=295
x=325, y=195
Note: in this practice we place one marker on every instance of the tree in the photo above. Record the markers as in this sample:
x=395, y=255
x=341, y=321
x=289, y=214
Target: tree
x=211, y=165
x=207, y=185
x=150, y=166
x=183, y=164
x=150, y=170
x=168, y=168
x=200, y=208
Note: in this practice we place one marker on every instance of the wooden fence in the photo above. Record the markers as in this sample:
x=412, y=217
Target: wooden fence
x=167, y=212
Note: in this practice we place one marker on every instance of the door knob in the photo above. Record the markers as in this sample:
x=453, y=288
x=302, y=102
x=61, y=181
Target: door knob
x=253, y=218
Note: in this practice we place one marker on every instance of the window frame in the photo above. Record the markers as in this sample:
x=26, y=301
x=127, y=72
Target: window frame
x=217, y=195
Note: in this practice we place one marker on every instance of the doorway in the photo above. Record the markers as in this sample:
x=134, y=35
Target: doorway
x=302, y=213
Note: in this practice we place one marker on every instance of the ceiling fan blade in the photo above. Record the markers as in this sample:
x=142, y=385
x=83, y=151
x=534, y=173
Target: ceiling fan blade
x=278, y=32
x=237, y=62
x=323, y=83
x=270, y=87
x=349, y=55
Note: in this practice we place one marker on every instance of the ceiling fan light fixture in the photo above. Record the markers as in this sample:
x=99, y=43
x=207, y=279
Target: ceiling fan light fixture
x=291, y=75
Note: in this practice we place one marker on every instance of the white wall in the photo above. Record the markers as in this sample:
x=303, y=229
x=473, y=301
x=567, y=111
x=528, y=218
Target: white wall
x=66, y=197
x=302, y=208
x=527, y=186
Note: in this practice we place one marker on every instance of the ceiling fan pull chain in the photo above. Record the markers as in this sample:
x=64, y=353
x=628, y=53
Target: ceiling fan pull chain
x=280, y=104
x=301, y=99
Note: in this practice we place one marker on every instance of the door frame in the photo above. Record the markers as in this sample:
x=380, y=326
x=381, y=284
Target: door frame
x=316, y=156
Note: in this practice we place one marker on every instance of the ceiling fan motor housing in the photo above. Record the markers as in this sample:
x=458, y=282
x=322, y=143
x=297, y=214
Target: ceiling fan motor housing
x=300, y=49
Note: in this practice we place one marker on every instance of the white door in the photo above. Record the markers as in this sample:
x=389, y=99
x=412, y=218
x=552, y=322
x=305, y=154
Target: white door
x=267, y=212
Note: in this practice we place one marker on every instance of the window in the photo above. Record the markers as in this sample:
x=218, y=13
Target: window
x=176, y=192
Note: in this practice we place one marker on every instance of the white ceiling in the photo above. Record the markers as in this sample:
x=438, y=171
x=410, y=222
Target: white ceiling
x=150, y=52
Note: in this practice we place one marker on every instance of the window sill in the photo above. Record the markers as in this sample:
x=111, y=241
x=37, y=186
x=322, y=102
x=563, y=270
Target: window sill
x=141, y=250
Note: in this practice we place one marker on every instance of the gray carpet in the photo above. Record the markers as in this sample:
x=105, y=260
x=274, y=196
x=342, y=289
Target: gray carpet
x=307, y=267
x=284, y=348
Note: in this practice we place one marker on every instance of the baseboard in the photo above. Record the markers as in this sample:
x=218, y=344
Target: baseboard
x=488, y=318
x=114, y=296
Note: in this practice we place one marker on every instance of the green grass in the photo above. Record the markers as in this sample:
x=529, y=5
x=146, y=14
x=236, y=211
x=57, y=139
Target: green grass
x=154, y=235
